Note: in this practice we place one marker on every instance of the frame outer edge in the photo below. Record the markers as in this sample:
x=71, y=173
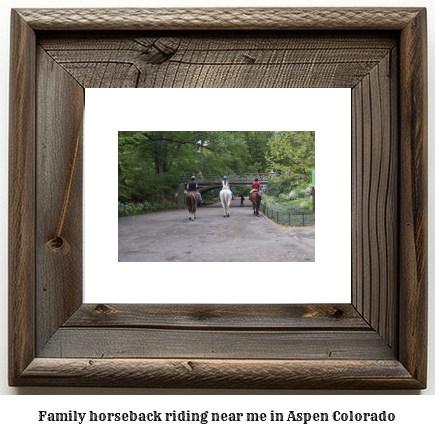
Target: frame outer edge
x=219, y=18
x=413, y=208
x=413, y=220
x=21, y=197
x=229, y=373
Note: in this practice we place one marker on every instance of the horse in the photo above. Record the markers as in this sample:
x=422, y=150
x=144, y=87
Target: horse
x=255, y=198
x=192, y=200
x=225, y=197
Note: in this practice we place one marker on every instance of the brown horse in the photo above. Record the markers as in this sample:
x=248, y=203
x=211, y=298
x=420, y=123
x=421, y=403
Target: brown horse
x=255, y=198
x=192, y=200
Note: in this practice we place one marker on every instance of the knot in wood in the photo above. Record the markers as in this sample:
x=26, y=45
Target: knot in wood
x=58, y=244
x=338, y=313
x=103, y=309
x=158, y=52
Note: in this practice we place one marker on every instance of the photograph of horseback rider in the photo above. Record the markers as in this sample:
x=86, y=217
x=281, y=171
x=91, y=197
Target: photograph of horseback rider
x=193, y=186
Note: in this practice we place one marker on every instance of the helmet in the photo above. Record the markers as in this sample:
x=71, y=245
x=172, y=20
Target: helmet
x=224, y=177
x=192, y=177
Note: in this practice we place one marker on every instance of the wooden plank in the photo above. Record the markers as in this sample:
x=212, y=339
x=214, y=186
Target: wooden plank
x=357, y=199
x=376, y=201
x=219, y=18
x=21, y=197
x=388, y=201
x=413, y=197
x=297, y=60
x=375, y=211
x=60, y=104
x=293, y=50
x=365, y=193
x=226, y=374
x=384, y=191
x=219, y=317
x=98, y=342
x=392, y=322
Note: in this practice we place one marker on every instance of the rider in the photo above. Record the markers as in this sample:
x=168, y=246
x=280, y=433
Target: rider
x=255, y=186
x=225, y=183
x=192, y=186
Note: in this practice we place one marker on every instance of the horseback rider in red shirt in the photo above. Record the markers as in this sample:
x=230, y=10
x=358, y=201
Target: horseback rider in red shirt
x=255, y=185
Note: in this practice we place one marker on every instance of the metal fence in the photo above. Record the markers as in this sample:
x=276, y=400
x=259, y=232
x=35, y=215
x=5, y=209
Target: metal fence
x=284, y=217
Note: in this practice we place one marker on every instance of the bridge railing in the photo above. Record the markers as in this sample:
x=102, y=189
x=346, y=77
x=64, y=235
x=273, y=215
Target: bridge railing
x=245, y=177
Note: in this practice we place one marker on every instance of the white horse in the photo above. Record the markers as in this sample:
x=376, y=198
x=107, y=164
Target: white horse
x=225, y=197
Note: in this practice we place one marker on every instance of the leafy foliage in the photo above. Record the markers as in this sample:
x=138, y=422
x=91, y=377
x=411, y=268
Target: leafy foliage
x=150, y=162
x=292, y=151
x=132, y=209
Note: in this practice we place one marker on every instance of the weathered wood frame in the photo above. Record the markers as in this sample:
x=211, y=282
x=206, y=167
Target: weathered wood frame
x=377, y=341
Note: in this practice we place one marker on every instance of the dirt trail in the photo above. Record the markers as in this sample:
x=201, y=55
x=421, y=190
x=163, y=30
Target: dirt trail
x=171, y=237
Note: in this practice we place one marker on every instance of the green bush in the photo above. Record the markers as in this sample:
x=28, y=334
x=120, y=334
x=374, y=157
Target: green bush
x=291, y=206
x=292, y=195
x=267, y=200
x=132, y=209
x=299, y=193
x=287, y=185
x=273, y=187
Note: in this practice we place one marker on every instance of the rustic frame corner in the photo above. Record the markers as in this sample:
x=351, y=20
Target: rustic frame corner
x=376, y=342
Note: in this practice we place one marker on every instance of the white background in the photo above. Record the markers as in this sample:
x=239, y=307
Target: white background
x=325, y=111
x=20, y=412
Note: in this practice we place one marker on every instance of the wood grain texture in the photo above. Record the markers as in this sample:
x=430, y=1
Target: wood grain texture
x=388, y=299
x=414, y=188
x=252, y=317
x=21, y=197
x=59, y=280
x=95, y=342
x=375, y=198
x=228, y=374
x=378, y=342
x=220, y=18
x=236, y=60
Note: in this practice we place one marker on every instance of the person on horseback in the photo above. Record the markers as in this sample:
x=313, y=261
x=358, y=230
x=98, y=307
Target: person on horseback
x=255, y=198
x=255, y=186
x=225, y=183
x=193, y=186
x=225, y=196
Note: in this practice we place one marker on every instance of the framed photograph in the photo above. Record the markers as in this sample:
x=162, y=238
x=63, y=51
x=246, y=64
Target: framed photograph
x=377, y=341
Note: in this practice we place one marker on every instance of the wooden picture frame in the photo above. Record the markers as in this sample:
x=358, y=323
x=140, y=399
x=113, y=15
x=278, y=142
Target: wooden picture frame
x=376, y=342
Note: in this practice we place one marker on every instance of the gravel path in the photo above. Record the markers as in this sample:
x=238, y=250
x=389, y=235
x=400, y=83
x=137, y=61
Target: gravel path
x=171, y=237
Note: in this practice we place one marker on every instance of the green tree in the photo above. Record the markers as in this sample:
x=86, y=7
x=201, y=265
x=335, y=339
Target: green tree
x=292, y=151
x=150, y=162
x=258, y=146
